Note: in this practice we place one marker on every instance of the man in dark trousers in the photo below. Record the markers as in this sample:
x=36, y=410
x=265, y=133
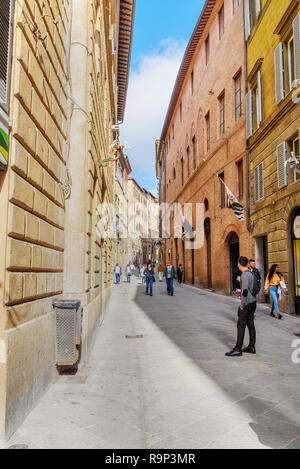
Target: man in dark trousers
x=246, y=312
x=179, y=273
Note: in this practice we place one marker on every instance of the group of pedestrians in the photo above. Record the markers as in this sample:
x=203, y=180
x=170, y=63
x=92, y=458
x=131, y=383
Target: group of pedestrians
x=129, y=271
x=248, y=281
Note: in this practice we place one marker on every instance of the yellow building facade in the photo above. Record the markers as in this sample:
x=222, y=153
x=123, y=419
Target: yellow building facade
x=62, y=93
x=273, y=131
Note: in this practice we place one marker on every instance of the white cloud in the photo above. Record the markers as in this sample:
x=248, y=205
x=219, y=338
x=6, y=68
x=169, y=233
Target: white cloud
x=149, y=92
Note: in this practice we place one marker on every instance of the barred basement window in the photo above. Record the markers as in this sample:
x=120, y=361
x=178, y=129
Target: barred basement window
x=5, y=50
x=259, y=182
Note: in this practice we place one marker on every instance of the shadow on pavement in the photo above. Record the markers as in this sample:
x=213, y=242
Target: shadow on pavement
x=198, y=325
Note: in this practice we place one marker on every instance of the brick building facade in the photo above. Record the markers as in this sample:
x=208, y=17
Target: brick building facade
x=63, y=88
x=204, y=137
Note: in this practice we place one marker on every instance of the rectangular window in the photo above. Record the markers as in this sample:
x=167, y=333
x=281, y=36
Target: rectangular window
x=238, y=96
x=291, y=62
x=194, y=152
x=5, y=51
x=222, y=114
x=221, y=23
x=173, y=131
x=296, y=152
x=207, y=119
x=182, y=172
x=188, y=161
x=259, y=183
x=207, y=50
x=240, y=179
x=222, y=191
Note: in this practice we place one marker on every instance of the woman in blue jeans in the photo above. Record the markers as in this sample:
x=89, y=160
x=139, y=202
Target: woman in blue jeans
x=272, y=283
x=150, y=279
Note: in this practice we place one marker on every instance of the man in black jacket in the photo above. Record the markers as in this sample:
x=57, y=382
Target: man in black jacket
x=246, y=312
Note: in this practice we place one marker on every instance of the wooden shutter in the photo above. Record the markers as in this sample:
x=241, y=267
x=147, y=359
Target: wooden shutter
x=5, y=39
x=259, y=99
x=281, y=167
x=261, y=181
x=247, y=18
x=296, y=28
x=279, y=74
x=258, y=182
x=249, y=114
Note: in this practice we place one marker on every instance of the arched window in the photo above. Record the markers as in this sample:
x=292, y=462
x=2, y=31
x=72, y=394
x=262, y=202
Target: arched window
x=206, y=205
x=174, y=173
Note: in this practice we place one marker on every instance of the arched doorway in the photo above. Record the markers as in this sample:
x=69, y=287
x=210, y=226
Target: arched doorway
x=207, y=230
x=234, y=253
x=296, y=258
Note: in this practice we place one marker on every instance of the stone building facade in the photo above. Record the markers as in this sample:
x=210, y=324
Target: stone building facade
x=64, y=88
x=273, y=131
x=203, y=140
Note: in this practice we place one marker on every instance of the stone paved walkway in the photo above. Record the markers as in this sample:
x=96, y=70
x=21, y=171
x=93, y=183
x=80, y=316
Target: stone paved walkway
x=174, y=388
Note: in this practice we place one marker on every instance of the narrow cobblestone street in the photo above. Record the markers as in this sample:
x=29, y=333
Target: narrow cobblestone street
x=173, y=387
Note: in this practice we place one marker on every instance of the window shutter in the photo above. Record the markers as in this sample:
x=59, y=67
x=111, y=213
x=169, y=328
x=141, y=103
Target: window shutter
x=247, y=18
x=281, y=167
x=5, y=28
x=249, y=113
x=256, y=184
x=259, y=99
x=258, y=7
x=279, y=74
x=261, y=181
x=296, y=27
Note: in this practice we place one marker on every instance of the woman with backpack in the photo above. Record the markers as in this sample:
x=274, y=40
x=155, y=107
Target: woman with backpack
x=274, y=284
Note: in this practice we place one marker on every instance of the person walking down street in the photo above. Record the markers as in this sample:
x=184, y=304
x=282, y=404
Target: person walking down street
x=246, y=311
x=160, y=270
x=275, y=286
x=169, y=274
x=118, y=273
x=132, y=268
x=256, y=272
x=150, y=278
x=179, y=273
x=128, y=273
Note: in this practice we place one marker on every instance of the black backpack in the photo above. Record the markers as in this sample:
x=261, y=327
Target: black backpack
x=256, y=283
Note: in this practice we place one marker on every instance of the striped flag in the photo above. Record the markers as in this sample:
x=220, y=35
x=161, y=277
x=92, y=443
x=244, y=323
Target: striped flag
x=233, y=203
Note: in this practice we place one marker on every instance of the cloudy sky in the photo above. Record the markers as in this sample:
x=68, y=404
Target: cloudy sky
x=161, y=33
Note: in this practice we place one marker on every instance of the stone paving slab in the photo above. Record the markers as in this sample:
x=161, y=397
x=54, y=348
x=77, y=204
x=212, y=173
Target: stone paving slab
x=174, y=388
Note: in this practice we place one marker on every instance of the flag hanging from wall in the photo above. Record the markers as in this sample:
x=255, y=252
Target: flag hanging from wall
x=233, y=203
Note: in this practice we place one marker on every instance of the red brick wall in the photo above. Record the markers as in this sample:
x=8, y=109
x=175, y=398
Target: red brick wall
x=226, y=59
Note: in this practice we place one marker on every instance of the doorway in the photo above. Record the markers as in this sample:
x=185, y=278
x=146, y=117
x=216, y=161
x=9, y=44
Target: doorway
x=207, y=230
x=234, y=252
x=296, y=258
